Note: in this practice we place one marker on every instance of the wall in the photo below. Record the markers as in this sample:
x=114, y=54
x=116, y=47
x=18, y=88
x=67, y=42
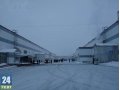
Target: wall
x=106, y=53
x=10, y=40
x=7, y=38
x=84, y=54
x=109, y=36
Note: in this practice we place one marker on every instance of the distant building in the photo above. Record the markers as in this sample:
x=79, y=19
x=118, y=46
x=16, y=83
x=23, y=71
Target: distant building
x=104, y=47
x=13, y=46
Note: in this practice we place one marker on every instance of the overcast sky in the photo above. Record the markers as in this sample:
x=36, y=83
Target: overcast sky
x=58, y=25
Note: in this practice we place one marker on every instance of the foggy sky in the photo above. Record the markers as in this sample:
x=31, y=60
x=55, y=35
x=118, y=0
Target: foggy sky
x=58, y=25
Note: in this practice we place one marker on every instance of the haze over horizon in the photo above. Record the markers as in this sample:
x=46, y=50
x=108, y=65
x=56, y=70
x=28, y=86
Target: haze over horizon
x=58, y=26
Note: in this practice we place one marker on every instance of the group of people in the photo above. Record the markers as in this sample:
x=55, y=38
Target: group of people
x=59, y=60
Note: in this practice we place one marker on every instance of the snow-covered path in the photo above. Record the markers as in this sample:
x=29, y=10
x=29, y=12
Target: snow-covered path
x=64, y=77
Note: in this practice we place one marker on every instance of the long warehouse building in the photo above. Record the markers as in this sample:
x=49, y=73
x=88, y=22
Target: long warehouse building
x=13, y=46
x=103, y=48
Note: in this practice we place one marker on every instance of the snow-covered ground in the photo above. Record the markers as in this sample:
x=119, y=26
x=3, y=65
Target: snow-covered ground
x=64, y=77
x=2, y=64
x=112, y=64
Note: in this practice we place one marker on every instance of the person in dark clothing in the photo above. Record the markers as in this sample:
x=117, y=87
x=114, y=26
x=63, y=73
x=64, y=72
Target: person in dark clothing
x=69, y=60
x=93, y=60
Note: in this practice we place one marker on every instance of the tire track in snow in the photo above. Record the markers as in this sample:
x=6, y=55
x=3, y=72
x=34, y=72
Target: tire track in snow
x=66, y=81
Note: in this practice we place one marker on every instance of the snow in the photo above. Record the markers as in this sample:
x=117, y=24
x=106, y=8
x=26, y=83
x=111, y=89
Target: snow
x=3, y=64
x=112, y=64
x=106, y=44
x=7, y=50
x=64, y=77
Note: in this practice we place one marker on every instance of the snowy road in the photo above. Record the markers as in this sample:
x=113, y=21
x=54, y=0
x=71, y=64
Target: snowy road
x=64, y=77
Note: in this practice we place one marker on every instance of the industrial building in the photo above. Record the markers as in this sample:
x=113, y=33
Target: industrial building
x=103, y=48
x=14, y=46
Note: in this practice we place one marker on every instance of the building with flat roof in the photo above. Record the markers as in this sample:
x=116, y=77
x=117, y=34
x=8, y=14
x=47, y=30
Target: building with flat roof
x=109, y=35
x=104, y=47
x=13, y=44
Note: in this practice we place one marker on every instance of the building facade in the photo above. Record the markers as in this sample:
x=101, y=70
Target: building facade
x=104, y=47
x=12, y=45
x=109, y=35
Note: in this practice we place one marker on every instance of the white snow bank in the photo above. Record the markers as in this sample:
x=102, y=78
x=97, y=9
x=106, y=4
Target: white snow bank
x=112, y=63
x=2, y=64
x=8, y=50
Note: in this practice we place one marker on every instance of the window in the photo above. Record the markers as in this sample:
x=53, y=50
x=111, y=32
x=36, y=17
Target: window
x=25, y=51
